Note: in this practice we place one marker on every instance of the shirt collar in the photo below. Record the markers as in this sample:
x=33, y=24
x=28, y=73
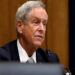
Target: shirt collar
x=23, y=54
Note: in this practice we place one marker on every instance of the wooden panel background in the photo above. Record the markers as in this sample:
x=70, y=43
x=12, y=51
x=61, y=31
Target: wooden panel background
x=57, y=35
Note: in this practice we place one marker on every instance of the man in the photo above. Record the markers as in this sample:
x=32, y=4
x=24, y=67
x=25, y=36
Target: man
x=31, y=20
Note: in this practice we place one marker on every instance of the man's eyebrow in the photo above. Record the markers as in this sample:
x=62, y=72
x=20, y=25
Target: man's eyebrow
x=39, y=18
x=35, y=17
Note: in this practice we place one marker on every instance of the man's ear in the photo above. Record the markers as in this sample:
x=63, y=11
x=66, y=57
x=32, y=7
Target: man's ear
x=19, y=26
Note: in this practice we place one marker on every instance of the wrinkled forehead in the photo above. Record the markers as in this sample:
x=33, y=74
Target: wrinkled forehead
x=39, y=12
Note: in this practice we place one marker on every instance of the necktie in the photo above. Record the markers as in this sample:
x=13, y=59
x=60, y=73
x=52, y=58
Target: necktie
x=30, y=60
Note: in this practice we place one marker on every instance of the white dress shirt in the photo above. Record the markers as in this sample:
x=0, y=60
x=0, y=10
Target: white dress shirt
x=23, y=54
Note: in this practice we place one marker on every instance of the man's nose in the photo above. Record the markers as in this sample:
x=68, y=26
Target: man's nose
x=42, y=27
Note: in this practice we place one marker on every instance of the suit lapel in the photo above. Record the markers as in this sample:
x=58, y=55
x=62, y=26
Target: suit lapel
x=14, y=51
x=39, y=56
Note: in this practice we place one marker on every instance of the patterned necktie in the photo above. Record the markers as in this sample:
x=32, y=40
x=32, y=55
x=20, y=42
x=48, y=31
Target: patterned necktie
x=30, y=60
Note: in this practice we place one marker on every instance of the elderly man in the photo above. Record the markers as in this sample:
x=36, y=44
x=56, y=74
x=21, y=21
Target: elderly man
x=31, y=20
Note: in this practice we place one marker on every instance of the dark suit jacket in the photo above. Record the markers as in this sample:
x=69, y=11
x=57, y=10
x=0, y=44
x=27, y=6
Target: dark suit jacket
x=9, y=52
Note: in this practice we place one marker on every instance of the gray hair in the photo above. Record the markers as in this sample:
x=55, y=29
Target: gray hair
x=24, y=10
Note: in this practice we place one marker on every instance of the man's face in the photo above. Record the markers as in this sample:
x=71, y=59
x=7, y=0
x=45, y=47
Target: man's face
x=34, y=31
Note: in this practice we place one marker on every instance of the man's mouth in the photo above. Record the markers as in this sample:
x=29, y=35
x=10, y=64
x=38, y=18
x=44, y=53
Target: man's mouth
x=39, y=36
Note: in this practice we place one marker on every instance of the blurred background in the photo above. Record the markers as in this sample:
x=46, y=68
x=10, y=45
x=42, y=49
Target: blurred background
x=60, y=27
